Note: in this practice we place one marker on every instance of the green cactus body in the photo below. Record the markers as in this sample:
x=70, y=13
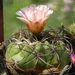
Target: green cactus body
x=63, y=53
x=30, y=55
x=13, y=49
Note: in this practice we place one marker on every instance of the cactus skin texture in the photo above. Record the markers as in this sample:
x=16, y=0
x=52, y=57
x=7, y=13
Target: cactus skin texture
x=28, y=55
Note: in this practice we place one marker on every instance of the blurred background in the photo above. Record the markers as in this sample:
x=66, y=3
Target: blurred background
x=64, y=13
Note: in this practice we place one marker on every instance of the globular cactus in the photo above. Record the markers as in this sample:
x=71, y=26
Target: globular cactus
x=26, y=54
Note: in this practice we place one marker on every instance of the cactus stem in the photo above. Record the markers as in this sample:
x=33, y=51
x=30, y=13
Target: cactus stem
x=44, y=61
x=30, y=61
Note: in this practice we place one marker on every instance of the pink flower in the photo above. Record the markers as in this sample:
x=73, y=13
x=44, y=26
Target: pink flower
x=73, y=58
x=35, y=17
x=66, y=8
x=68, y=2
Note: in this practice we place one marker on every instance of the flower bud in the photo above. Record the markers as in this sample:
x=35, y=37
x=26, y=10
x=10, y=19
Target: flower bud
x=73, y=58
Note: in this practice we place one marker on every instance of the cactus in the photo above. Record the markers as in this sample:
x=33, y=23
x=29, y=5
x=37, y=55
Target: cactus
x=30, y=54
x=36, y=50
